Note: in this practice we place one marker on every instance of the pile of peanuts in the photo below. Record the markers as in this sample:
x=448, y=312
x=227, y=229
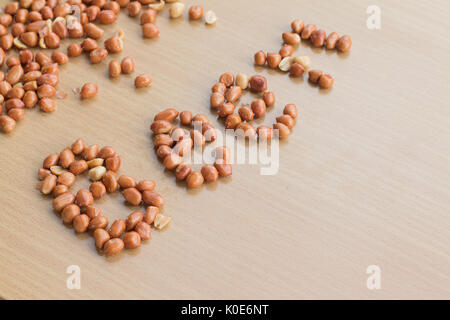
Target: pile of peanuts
x=227, y=91
x=296, y=66
x=58, y=174
x=30, y=81
x=172, y=143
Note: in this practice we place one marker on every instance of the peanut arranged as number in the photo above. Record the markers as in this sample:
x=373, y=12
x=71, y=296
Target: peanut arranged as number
x=58, y=174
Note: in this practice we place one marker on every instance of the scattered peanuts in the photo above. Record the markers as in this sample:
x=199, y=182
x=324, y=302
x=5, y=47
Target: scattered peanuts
x=78, y=210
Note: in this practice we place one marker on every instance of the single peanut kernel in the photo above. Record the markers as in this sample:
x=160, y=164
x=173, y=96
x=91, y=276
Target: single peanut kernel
x=176, y=10
x=210, y=17
x=88, y=90
x=97, y=173
x=143, y=80
x=242, y=81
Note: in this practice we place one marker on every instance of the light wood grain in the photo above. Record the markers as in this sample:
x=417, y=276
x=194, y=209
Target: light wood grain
x=364, y=179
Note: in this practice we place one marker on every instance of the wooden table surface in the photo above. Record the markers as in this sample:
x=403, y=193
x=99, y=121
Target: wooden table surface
x=363, y=180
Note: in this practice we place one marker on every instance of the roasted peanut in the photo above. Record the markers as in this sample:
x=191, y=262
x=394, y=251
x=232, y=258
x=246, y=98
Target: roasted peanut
x=169, y=114
x=106, y=152
x=143, y=80
x=273, y=59
x=286, y=51
x=225, y=109
x=227, y=79
x=134, y=8
x=84, y=198
x=258, y=107
x=97, y=173
x=258, y=83
x=47, y=105
x=132, y=239
x=148, y=16
x=88, y=90
x=152, y=198
x=132, y=196
x=67, y=178
x=224, y=169
x=344, y=43
x=308, y=30
x=69, y=213
x=117, y=228
x=101, y=236
x=89, y=45
x=318, y=38
x=99, y=222
x=97, y=189
x=145, y=185
x=216, y=100
x=232, y=121
x=281, y=130
x=210, y=17
x=150, y=30
x=81, y=223
x=233, y=94
x=106, y=16
x=326, y=81
x=209, y=173
x=264, y=132
x=163, y=151
x=246, y=113
x=114, y=68
x=186, y=118
x=150, y=214
x=133, y=219
x=110, y=181
x=78, y=167
x=242, y=81
x=291, y=38
x=219, y=87
x=296, y=70
x=127, y=65
x=172, y=161
x=113, y=246
x=290, y=109
x=48, y=184
x=60, y=189
x=176, y=10
x=195, y=12
x=63, y=200
x=114, y=44
x=182, y=171
x=144, y=230
x=287, y=120
x=297, y=26
x=246, y=130
x=66, y=157
x=314, y=75
x=194, y=179
x=93, y=31
x=161, y=126
x=113, y=164
x=332, y=40
x=98, y=55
